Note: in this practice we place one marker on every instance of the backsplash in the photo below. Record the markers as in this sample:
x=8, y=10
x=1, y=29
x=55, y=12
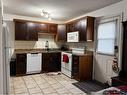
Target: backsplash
x=52, y=44
x=37, y=44
x=87, y=45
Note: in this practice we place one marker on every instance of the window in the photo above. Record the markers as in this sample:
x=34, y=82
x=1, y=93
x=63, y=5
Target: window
x=106, y=37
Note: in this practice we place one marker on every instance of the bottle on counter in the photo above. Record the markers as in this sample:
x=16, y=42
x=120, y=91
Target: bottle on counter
x=47, y=45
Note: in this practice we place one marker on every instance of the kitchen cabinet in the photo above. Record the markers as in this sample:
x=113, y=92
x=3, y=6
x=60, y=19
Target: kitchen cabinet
x=28, y=30
x=52, y=28
x=25, y=31
x=51, y=62
x=82, y=67
x=61, y=33
x=32, y=32
x=21, y=64
x=85, y=26
x=70, y=27
x=20, y=30
x=42, y=27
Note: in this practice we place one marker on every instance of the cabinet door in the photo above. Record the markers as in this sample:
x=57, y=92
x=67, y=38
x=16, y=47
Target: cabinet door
x=77, y=26
x=83, y=31
x=80, y=26
x=90, y=29
x=42, y=28
x=21, y=31
x=61, y=33
x=56, y=61
x=85, y=67
x=20, y=64
x=51, y=62
x=75, y=67
x=45, y=62
x=53, y=28
x=70, y=27
x=32, y=31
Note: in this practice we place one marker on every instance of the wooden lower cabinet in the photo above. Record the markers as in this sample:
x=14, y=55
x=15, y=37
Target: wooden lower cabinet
x=21, y=64
x=82, y=67
x=51, y=62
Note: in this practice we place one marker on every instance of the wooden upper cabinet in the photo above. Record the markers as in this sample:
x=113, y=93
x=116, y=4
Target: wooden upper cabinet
x=90, y=28
x=70, y=27
x=28, y=30
x=32, y=31
x=21, y=31
x=52, y=28
x=25, y=31
x=42, y=27
x=83, y=30
x=80, y=26
x=85, y=27
x=61, y=33
x=77, y=25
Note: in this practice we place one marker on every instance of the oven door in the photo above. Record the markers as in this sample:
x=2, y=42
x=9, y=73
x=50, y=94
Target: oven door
x=69, y=64
x=66, y=68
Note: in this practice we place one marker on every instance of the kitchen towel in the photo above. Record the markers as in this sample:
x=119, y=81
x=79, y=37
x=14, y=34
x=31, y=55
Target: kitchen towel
x=65, y=58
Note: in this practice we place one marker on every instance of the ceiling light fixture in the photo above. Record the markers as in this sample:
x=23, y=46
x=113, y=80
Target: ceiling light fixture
x=46, y=15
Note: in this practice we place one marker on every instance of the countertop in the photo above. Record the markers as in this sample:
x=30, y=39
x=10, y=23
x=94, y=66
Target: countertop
x=36, y=50
x=88, y=53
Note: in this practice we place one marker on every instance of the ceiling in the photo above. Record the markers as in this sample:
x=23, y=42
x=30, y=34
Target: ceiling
x=61, y=10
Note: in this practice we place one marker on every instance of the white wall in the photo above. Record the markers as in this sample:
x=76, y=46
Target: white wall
x=113, y=9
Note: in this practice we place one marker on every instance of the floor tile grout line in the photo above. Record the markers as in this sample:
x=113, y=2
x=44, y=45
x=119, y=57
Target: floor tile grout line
x=13, y=85
x=37, y=85
x=63, y=85
x=25, y=85
x=48, y=83
x=57, y=82
x=21, y=80
x=55, y=79
x=14, y=91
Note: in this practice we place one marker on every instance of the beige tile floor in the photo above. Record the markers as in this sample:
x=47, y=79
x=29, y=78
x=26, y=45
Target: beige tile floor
x=44, y=84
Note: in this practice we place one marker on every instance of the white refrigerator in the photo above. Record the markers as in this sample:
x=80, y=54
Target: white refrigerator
x=4, y=55
x=7, y=50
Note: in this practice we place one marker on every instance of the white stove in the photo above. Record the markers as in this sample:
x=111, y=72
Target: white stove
x=66, y=67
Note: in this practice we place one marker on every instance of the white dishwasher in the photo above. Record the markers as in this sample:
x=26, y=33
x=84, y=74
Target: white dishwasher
x=34, y=62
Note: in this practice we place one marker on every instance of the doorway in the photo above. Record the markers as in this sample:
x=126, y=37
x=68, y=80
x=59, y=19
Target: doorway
x=108, y=37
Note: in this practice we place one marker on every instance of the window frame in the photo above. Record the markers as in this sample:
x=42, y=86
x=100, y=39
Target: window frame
x=115, y=38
